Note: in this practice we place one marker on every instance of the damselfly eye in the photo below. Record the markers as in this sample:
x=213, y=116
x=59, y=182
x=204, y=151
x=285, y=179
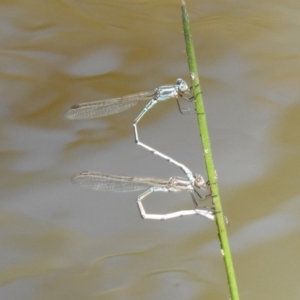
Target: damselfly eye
x=179, y=81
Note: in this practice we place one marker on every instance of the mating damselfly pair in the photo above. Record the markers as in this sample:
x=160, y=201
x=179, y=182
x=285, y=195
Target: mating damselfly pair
x=193, y=183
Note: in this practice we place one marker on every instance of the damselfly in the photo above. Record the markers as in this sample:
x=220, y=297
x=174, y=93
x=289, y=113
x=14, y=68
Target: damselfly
x=107, y=107
x=116, y=183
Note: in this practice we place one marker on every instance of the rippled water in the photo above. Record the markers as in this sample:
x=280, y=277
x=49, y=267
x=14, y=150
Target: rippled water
x=59, y=241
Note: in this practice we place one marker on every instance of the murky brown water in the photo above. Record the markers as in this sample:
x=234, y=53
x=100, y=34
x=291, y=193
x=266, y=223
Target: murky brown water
x=62, y=242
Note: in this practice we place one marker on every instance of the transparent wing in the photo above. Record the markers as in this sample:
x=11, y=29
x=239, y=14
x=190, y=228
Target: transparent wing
x=106, y=107
x=115, y=183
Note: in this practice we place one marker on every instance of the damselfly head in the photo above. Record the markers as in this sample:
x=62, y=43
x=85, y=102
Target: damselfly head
x=181, y=85
x=199, y=181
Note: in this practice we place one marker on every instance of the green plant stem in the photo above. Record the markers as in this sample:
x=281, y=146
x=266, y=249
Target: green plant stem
x=212, y=177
